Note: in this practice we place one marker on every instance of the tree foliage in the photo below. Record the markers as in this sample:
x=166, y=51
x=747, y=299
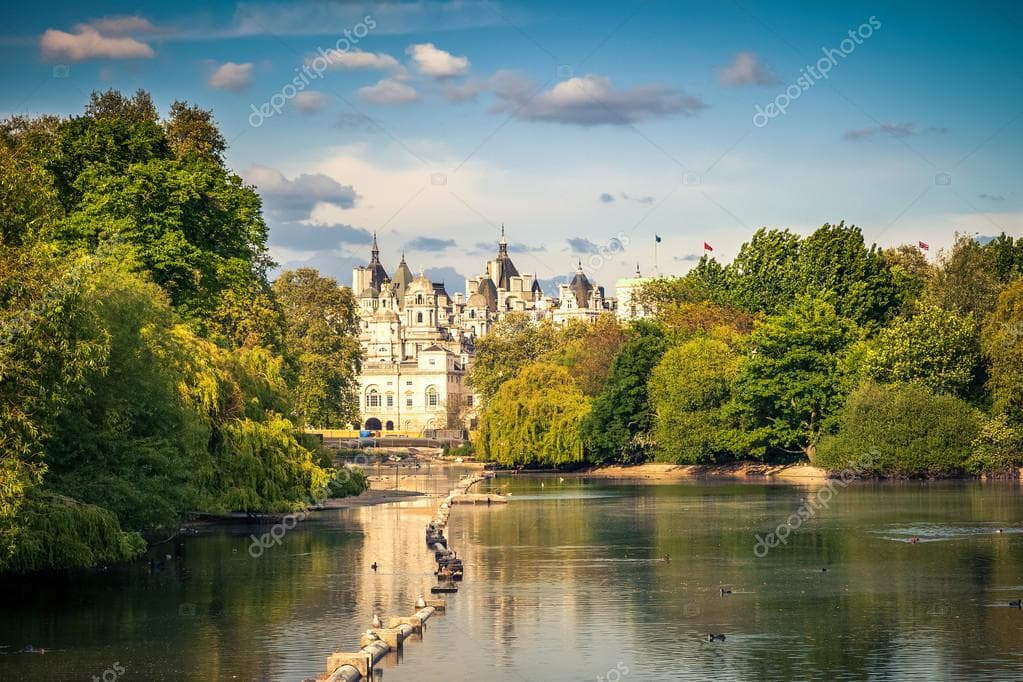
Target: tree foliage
x=688, y=389
x=534, y=419
x=1002, y=340
x=901, y=430
x=934, y=347
x=789, y=383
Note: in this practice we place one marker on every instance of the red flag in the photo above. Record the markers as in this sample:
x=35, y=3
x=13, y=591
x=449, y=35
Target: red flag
x=925, y=246
x=707, y=247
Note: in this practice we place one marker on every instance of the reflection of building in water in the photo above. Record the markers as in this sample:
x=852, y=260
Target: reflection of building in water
x=418, y=340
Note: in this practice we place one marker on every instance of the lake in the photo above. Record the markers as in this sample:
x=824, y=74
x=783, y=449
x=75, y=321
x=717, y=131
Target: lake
x=568, y=581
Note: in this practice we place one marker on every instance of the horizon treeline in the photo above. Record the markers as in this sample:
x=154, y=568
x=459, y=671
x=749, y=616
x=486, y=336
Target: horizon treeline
x=816, y=348
x=148, y=368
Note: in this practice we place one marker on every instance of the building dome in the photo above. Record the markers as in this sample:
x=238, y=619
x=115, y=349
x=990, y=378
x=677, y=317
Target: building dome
x=369, y=292
x=477, y=300
x=385, y=315
x=581, y=288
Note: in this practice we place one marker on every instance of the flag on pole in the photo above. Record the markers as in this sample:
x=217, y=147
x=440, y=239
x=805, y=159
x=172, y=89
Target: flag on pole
x=657, y=239
x=925, y=246
x=707, y=247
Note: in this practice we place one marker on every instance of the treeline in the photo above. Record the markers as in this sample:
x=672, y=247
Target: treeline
x=815, y=348
x=148, y=368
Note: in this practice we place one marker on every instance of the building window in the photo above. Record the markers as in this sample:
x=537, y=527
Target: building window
x=419, y=317
x=372, y=398
x=408, y=401
x=433, y=361
x=432, y=397
x=408, y=383
x=390, y=400
x=419, y=301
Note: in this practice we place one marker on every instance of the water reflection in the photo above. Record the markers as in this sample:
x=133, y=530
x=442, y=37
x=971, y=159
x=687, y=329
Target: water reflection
x=569, y=581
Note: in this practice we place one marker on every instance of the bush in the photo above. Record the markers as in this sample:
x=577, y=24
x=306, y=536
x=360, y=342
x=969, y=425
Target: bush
x=910, y=431
x=998, y=449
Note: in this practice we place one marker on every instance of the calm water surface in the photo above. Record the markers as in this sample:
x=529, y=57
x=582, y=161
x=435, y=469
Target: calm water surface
x=568, y=582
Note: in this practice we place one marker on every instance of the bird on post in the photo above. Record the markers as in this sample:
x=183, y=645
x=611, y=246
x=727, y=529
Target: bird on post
x=376, y=621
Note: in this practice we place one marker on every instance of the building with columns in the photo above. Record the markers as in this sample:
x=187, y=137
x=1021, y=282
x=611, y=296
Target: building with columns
x=418, y=340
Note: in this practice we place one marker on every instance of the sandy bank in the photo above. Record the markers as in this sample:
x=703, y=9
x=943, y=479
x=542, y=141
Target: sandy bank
x=655, y=472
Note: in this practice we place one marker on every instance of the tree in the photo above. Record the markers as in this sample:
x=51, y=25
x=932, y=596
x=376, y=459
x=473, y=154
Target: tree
x=765, y=275
x=512, y=343
x=191, y=131
x=910, y=274
x=588, y=357
x=835, y=259
x=534, y=419
x=688, y=388
x=1002, y=342
x=323, y=346
x=901, y=430
x=1008, y=256
x=622, y=410
x=789, y=383
x=934, y=347
x=966, y=280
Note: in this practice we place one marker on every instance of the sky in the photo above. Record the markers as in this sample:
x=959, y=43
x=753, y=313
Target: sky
x=586, y=129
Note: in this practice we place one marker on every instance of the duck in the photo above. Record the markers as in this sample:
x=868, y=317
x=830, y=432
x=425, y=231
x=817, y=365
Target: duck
x=667, y=558
x=420, y=602
x=1018, y=603
x=914, y=541
x=376, y=621
x=725, y=591
x=373, y=565
x=711, y=637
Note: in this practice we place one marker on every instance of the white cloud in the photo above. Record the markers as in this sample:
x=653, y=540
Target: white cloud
x=389, y=91
x=893, y=129
x=436, y=63
x=350, y=60
x=590, y=100
x=746, y=70
x=89, y=43
x=231, y=76
x=292, y=200
x=310, y=101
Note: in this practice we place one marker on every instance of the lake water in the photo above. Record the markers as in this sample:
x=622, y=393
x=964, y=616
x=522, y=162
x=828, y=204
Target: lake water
x=568, y=582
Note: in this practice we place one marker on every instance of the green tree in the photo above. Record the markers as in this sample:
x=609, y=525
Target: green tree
x=534, y=419
x=934, y=347
x=191, y=131
x=1002, y=342
x=621, y=413
x=789, y=383
x=966, y=280
x=765, y=274
x=910, y=274
x=835, y=259
x=688, y=389
x=1008, y=256
x=901, y=430
x=323, y=343
x=512, y=343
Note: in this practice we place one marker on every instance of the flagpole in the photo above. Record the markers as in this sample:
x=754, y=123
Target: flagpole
x=656, y=270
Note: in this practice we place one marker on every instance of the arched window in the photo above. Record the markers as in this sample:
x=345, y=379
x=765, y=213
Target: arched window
x=432, y=397
x=419, y=300
x=419, y=317
x=372, y=398
x=472, y=314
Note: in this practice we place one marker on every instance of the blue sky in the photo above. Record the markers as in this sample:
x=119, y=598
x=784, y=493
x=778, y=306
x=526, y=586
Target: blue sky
x=586, y=129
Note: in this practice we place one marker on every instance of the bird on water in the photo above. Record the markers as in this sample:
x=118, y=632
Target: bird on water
x=373, y=565
x=1018, y=603
x=376, y=621
x=711, y=637
x=725, y=591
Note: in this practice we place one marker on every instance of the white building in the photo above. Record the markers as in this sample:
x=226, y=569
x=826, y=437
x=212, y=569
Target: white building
x=625, y=290
x=418, y=341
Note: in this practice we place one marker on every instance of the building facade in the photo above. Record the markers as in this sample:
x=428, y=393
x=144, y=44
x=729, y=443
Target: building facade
x=418, y=341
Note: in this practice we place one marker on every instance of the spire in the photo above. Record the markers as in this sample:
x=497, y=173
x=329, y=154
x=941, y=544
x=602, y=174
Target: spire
x=375, y=251
x=503, y=240
x=637, y=270
x=579, y=269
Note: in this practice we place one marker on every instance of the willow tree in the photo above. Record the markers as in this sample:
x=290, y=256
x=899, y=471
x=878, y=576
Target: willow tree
x=534, y=419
